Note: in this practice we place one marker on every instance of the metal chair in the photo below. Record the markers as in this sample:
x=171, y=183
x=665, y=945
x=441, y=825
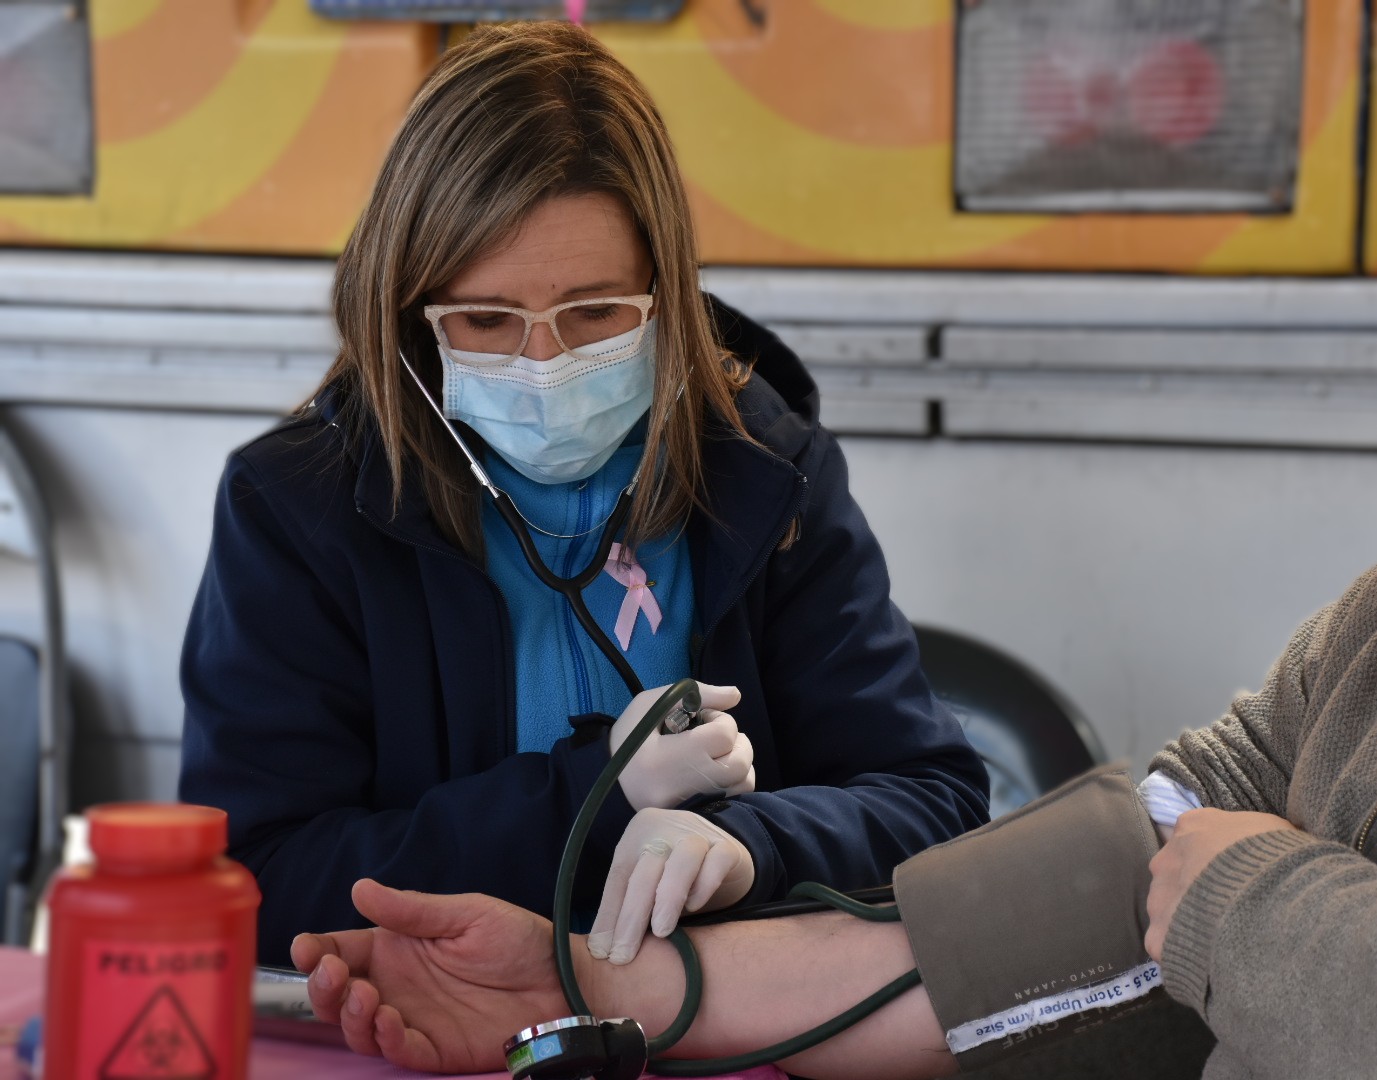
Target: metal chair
x=1029, y=736
x=34, y=708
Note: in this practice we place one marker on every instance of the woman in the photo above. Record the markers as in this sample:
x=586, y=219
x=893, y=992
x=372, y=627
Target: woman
x=376, y=682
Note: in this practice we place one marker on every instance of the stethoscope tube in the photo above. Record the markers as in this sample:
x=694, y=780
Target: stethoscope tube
x=571, y=588
x=685, y=694
x=684, y=691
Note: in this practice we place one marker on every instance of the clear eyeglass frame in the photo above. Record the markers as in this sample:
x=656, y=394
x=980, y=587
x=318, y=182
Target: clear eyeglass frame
x=435, y=312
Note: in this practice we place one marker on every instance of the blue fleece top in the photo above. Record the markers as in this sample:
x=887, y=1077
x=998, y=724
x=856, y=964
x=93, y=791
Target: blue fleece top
x=559, y=671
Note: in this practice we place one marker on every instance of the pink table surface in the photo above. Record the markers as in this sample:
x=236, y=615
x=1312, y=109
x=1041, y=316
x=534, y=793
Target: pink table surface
x=21, y=996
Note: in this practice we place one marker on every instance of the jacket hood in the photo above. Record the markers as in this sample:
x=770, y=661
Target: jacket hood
x=780, y=404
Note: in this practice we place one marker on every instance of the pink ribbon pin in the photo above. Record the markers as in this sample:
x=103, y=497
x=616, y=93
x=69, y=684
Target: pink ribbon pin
x=575, y=9
x=638, y=596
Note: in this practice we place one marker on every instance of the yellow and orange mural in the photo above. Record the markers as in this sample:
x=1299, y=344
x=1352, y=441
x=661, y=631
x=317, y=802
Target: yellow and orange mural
x=823, y=138
x=230, y=125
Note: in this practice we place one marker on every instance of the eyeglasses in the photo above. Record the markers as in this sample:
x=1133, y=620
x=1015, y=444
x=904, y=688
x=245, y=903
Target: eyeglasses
x=502, y=332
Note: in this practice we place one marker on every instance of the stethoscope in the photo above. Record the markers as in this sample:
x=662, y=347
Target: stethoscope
x=571, y=588
x=581, y=1046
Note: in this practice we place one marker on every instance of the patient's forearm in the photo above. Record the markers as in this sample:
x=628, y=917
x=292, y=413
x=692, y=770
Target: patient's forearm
x=769, y=980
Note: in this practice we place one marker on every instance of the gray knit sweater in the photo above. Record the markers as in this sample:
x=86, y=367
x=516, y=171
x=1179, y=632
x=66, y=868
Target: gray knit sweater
x=1275, y=944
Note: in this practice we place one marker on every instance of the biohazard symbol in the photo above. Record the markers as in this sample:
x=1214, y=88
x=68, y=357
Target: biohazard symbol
x=161, y=1044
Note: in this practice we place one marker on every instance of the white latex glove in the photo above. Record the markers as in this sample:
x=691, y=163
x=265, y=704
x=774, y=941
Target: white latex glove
x=713, y=758
x=667, y=862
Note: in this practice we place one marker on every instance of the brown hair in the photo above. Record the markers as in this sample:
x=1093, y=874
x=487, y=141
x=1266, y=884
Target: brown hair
x=512, y=116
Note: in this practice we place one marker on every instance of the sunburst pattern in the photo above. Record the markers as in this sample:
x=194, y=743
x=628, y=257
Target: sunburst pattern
x=823, y=138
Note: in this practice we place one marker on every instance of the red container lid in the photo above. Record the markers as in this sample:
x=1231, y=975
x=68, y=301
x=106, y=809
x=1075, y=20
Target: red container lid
x=156, y=834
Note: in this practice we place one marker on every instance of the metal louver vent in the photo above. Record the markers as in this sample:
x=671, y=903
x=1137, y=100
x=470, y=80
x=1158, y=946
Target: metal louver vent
x=1137, y=105
x=45, y=100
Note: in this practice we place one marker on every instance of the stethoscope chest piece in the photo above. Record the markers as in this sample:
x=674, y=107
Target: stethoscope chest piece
x=577, y=1048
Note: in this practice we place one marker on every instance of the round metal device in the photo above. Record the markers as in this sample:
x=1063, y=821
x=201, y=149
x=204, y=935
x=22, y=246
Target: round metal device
x=577, y=1048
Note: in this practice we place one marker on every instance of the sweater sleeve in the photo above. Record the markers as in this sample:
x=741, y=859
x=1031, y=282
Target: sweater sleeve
x=874, y=767
x=1273, y=946
x=280, y=731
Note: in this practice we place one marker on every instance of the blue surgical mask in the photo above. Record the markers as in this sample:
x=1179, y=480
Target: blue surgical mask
x=553, y=420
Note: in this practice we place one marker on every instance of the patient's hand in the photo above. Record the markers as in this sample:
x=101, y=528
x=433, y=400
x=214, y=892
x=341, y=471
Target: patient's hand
x=440, y=984
x=1200, y=835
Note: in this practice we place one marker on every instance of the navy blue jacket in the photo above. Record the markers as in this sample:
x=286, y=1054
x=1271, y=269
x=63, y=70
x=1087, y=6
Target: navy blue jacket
x=349, y=686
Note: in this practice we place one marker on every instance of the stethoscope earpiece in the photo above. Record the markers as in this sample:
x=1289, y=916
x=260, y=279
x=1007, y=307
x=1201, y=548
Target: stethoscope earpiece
x=578, y=1048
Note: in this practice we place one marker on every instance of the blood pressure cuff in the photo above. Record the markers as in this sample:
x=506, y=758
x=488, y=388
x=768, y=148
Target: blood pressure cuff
x=1032, y=927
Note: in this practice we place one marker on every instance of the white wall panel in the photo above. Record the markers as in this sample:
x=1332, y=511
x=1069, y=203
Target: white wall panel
x=1148, y=583
x=131, y=493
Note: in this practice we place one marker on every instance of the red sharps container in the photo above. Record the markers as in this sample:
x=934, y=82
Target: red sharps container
x=151, y=953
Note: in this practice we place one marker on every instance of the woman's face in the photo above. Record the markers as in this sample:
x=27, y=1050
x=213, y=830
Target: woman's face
x=571, y=247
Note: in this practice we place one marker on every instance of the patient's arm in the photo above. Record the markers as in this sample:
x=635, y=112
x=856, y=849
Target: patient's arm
x=768, y=980
x=445, y=979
